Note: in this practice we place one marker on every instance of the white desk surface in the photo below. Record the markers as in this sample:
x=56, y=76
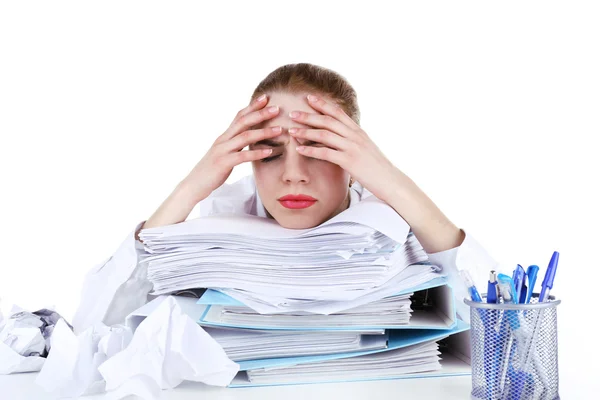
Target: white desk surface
x=23, y=387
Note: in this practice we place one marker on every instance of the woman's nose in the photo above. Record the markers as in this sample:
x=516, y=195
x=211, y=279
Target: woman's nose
x=295, y=164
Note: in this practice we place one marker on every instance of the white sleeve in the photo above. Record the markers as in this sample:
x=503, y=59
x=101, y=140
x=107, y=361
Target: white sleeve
x=470, y=256
x=114, y=288
x=238, y=197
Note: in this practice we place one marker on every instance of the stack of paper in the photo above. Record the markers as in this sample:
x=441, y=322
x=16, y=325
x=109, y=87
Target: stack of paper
x=409, y=353
x=422, y=357
x=268, y=357
x=241, y=345
x=305, y=348
x=362, y=255
x=393, y=310
x=353, y=298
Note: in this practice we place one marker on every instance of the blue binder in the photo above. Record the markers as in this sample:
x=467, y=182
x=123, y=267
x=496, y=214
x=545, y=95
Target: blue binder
x=440, y=319
x=452, y=364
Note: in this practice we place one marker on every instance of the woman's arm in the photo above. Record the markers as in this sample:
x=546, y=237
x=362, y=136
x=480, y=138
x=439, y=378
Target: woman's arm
x=176, y=208
x=119, y=285
x=432, y=228
x=349, y=146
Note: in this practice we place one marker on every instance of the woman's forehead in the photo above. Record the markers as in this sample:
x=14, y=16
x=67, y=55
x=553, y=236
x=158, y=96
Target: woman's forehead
x=281, y=120
x=287, y=102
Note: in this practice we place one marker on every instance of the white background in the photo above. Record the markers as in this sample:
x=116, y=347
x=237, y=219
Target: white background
x=493, y=109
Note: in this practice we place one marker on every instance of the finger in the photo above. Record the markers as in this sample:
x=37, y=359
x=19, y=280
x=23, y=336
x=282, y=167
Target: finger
x=251, y=136
x=331, y=109
x=322, y=136
x=253, y=118
x=322, y=121
x=323, y=153
x=233, y=159
x=257, y=104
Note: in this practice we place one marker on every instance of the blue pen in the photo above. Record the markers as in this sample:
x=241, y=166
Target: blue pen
x=517, y=377
x=503, y=352
x=475, y=296
x=547, y=284
x=488, y=330
x=470, y=285
x=518, y=279
x=492, y=292
x=492, y=365
x=532, y=272
x=548, y=281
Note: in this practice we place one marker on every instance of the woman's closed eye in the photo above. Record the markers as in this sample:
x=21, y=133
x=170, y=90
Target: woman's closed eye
x=269, y=159
x=312, y=143
x=306, y=143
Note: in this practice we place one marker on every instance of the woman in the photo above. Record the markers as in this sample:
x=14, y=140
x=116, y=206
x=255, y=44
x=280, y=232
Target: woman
x=311, y=160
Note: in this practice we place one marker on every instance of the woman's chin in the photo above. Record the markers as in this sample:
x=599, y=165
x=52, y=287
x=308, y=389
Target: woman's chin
x=298, y=222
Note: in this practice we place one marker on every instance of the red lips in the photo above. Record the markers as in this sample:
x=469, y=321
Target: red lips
x=297, y=201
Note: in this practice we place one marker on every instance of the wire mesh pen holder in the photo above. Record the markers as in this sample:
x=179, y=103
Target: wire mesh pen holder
x=514, y=350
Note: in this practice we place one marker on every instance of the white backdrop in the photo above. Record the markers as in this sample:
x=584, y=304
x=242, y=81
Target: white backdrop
x=492, y=109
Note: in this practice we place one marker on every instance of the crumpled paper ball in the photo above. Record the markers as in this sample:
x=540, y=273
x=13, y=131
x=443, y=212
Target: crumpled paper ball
x=25, y=339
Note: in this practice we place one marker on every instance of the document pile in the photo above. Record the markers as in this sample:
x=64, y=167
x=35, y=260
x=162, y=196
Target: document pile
x=243, y=345
x=354, y=298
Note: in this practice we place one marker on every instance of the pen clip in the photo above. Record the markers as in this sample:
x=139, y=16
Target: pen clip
x=507, y=288
x=518, y=279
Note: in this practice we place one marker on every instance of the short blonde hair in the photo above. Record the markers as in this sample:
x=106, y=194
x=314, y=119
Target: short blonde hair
x=304, y=77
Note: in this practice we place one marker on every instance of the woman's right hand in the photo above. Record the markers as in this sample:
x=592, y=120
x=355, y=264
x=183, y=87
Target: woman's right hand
x=216, y=165
x=226, y=152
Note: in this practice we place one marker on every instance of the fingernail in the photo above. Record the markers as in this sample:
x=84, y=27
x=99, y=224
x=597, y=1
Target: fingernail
x=294, y=114
x=312, y=98
x=276, y=129
x=261, y=98
x=293, y=130
x=273, y=109
x=300, y=148
x=267, y=151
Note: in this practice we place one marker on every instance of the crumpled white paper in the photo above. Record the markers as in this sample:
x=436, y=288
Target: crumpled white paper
x=71, y=369
x=12, y=362
x=167, y=348
x=25, y=339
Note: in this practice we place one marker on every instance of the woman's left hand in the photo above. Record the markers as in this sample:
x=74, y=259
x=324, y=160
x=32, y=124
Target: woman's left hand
x=347, y=146
x=351, y=148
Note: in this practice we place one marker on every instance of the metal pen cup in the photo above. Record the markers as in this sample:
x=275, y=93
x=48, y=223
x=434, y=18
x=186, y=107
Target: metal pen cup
x=514, y=350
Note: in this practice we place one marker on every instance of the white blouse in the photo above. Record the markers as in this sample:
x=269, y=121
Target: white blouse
x=118, y=286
